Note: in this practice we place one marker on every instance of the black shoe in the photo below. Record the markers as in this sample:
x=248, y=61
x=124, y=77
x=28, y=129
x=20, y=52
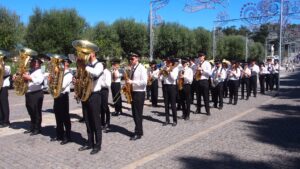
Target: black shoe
x=106, y=128
x=65, y=141
x=220, y=107
x=28, y=131
x=81, y=120
x=247, y=98
x=35, y=132
x=95, y=151
x=187, y=118
x=198, y=111
x=165, y=123
x=55, y=139
x=234, y=103
x=242, y=98
x=85, y=147
x=215, y=106
x=3, y=125
x=115, y=114
x=135, y=137
x=174, y=124
x=208, y=113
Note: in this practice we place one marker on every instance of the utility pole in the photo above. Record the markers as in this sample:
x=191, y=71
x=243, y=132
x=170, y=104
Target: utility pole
x=151, y=32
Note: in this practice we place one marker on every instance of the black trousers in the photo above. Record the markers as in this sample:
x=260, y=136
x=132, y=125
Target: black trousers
x=203, y=90
x=217, y=94
x=262, y=80
x=225, y=88
x=116, y=94
x=34, y=103
x=253, y=85
x=193, y=90
x=137, y=104
x=93, y=121
x=154, y=92
x=269, y=82
x=163, y=89
x=148, y=91
x=170, y=98
x=4, y=106
x=276, y=80
x=233, y=90
x=62, y=116
x=185, y=99
x=245, y=84
x=105, y=113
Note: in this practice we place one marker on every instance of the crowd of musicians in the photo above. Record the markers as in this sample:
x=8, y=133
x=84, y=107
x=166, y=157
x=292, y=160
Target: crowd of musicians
x=183, y=81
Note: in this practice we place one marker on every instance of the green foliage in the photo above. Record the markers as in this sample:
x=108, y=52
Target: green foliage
x=11, y=29
x=203, y=41
x=108, y=41
x=256, y=51
x=132, y=36
x=231, y=47
x=53, y=31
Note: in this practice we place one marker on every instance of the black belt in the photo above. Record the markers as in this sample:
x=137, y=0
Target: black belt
x=97, y=92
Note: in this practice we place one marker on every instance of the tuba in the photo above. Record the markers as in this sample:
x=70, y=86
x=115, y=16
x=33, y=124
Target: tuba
x=2, y=67
x=181, y=80
x=84, y=82
x=127, y=88
x=56, y=74
x=20, y=85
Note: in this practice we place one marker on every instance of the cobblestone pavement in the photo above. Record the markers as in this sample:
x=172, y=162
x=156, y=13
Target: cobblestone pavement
x=260, y=133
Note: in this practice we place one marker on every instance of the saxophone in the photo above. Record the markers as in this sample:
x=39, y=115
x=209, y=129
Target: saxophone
x=181, y=80
x=21, y=85
x=56, y=75
x=127, y=88
x=84, y=82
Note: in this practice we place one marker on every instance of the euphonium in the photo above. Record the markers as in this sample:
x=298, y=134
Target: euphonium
x=84, y=82
x=181, y=80
x=21, y=85
x=2, y=67
x=56, y=75
x=127, y=88
x=198, y=75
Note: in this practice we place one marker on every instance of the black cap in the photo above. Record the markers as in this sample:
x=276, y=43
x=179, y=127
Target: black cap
x=153, y=62
x=200, y=54
x=217, y=61
x=34, y=59
x=131, y=54
x=101, y=60
x=184, y=60
x=115, y=61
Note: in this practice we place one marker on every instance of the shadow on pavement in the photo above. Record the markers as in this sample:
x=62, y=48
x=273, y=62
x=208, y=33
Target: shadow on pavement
x=228, y=161
x=121, y=130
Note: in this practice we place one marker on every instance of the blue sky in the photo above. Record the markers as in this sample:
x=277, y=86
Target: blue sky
x=95, y=11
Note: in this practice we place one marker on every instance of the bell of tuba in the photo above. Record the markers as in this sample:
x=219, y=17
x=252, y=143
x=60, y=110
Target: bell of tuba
x=20, y=85
x=2, y=66
x=56, y=74
x=84, y=82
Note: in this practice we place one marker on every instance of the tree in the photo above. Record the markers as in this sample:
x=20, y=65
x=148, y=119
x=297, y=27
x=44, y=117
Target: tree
x=108, y=40
x=11, y=29
x=203, y=41
x=231, y=47
x=132, y=36
x=256, y=51
x=53, y=31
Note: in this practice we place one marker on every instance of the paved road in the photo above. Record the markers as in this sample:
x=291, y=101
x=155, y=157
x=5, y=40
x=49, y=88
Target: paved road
x=260, y=133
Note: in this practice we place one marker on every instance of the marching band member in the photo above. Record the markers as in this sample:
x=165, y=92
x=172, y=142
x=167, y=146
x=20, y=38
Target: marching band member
x=202, y=84
x=105, y=80
x=4, y=104
x=276, y=74
x=253, y=79
x=185, y=78
x=234, y=74
x=245, y=81
x=170, y=91
x=193, y=66
x=269, y=74
x=138, y=80
x=34, y=96
x=225, y=66
x=262, y=77
x=218, y=76
x=92, y=116
x=116, y=87
x=61, y=107
x=153, y=75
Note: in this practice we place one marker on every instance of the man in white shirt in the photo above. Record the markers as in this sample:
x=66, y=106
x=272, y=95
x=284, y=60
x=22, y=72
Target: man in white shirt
x=153, y=75
x=105, y=85
x=34, y=96
x=202, y=85
x=138, y=80
x=185, y=76
x=61, y=106
x=4, y=104
x=92, y=116
x=218, y=76
x=116, y=86
x=276, y=74
x=253, y=79
x=193, y=66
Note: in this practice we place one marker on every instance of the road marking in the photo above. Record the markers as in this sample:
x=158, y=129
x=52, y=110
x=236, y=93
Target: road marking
x=170, y=148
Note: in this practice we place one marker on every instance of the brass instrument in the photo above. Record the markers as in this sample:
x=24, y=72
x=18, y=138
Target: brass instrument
x=180, y=80
x=2, y=67
x=127, y=88
x=149, y=80
x=198, y=74
x=21, y=85
x=84, y=82
x=56, y=75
